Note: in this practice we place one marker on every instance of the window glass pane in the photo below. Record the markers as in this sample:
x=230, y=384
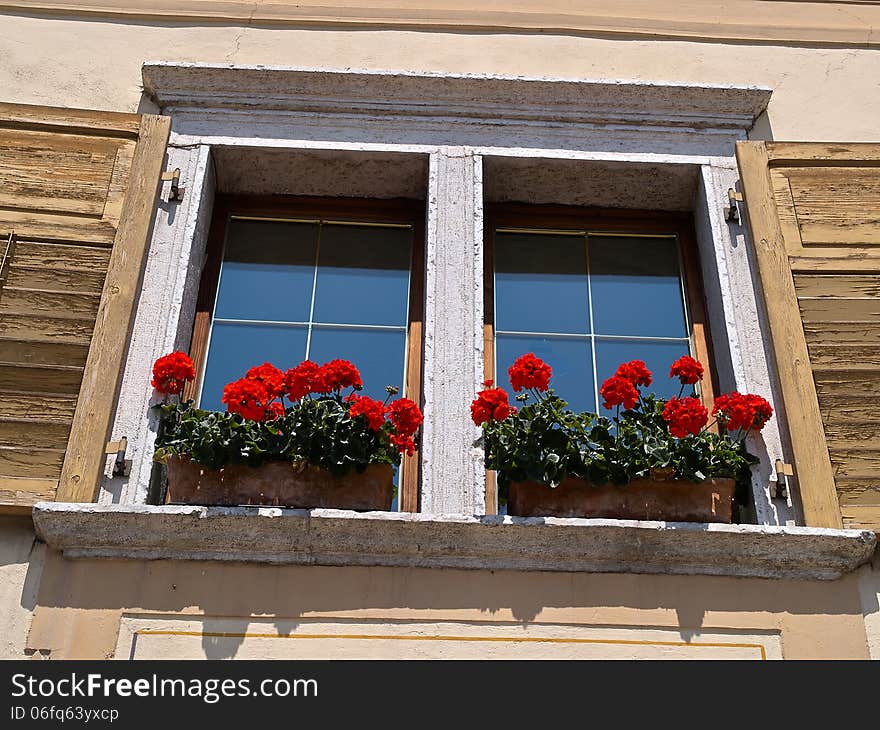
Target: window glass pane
x=268, y=271
x=378, y=354
x=570, y=357
x=541, y=283
x=636, y=286
x=363, y=275
x=658, y=356
x=235, y=348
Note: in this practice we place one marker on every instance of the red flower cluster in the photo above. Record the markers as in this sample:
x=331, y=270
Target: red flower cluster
x=685, y=416
x=247, y=397
x=529, y=371
x=170, y=373
x=302, y=380
x=336, y=375
x=635, y=372
x=739, y=411
x=687, y=370
x=618, y=391
x=308, y=377
x=270, y=376
x=406, y=416
x=372, y=410
x=490, y=405
x=404, y=444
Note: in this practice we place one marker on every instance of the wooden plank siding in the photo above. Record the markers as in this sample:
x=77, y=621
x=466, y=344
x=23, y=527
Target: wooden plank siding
x=77, y=190
x=814, y=211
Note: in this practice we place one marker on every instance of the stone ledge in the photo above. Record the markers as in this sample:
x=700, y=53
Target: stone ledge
x=448, y=98
x=339, y=537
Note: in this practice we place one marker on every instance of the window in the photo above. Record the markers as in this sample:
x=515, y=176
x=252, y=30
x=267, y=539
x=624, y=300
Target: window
x=292, y=279
x=586, y=290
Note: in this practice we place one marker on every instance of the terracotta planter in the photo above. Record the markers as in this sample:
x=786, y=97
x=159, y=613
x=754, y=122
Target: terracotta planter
x=279, y=484
x=655, y=498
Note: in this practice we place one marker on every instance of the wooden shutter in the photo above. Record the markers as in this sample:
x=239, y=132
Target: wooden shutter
x=814, y=213
x=77, y=196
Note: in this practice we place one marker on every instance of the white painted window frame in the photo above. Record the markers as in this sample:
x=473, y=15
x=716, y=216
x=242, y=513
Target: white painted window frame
x=456, y=121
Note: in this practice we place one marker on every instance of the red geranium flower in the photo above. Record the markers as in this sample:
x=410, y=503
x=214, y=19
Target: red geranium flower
x=337, y=374
x=687, y=370
x=372, y=410
x=619, y=391
x=406, y=416
x=739, y=411
x=685, y=416
x=636, y=372
x=269, y=376
x=302, y=380
x=170, y=373
x=274, y=410
x=404, y=444
x=762, y=411
x=529, y=371
x=247, y=397
x=491, y=404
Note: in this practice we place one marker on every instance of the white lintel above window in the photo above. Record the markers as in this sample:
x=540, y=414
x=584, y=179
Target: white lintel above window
x=409, y=108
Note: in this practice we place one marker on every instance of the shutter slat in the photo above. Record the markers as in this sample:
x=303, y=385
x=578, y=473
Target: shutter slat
x=55, y=379
x=16, y=350
x=27, y=461
x=78, y=189
x=41, y=434
x=814, y=211
x=36, y=407
x=44, y=328
x=46, y=301
x=840, y=286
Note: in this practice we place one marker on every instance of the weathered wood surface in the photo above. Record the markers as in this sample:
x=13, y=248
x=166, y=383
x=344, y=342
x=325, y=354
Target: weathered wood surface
x=825, y=199
x=85, y=459
x=79, y=200
x=815, y=475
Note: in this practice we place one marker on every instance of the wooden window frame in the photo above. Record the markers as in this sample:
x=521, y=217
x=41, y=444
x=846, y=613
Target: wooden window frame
x=367, y=210
x=598, y=220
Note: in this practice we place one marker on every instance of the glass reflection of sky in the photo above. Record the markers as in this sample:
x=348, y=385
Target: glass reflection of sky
x=289, y=280
x=604, y=292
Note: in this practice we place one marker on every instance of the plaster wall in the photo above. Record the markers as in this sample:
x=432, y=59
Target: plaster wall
x=85, y=607
x=830, y=94
x=21, y=561
x=869, y=588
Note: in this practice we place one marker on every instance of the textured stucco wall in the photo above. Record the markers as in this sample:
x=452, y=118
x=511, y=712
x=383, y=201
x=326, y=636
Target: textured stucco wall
x=819, y=93
x=82, y=602
x=869, y=587
x=21, y=560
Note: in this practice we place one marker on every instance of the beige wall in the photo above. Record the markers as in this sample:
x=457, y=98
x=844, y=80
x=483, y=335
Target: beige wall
x=819, y=93
x=830, y=94
x=869, y=586
x=214, y=609
x=21, y=560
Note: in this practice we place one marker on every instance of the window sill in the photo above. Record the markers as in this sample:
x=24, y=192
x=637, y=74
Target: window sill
x=338, y=537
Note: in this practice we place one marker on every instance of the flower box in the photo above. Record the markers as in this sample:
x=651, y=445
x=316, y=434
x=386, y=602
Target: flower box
x=287, y=439
x=279, y=484
x=653, y=498
x=654, y=459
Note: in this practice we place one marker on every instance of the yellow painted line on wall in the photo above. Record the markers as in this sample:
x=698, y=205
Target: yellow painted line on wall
x=389, y=637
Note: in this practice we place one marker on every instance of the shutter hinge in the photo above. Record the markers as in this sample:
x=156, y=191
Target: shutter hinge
x=176, y=190
x=783, y=470
x=731, y=212
x=120, y=465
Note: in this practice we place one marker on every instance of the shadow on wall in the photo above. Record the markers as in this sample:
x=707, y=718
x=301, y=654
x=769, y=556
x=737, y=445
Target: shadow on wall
x=288, y=594
x=761, y=130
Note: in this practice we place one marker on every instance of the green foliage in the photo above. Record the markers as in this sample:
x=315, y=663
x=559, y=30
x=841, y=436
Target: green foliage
x=319, y=431
x=546, y=442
